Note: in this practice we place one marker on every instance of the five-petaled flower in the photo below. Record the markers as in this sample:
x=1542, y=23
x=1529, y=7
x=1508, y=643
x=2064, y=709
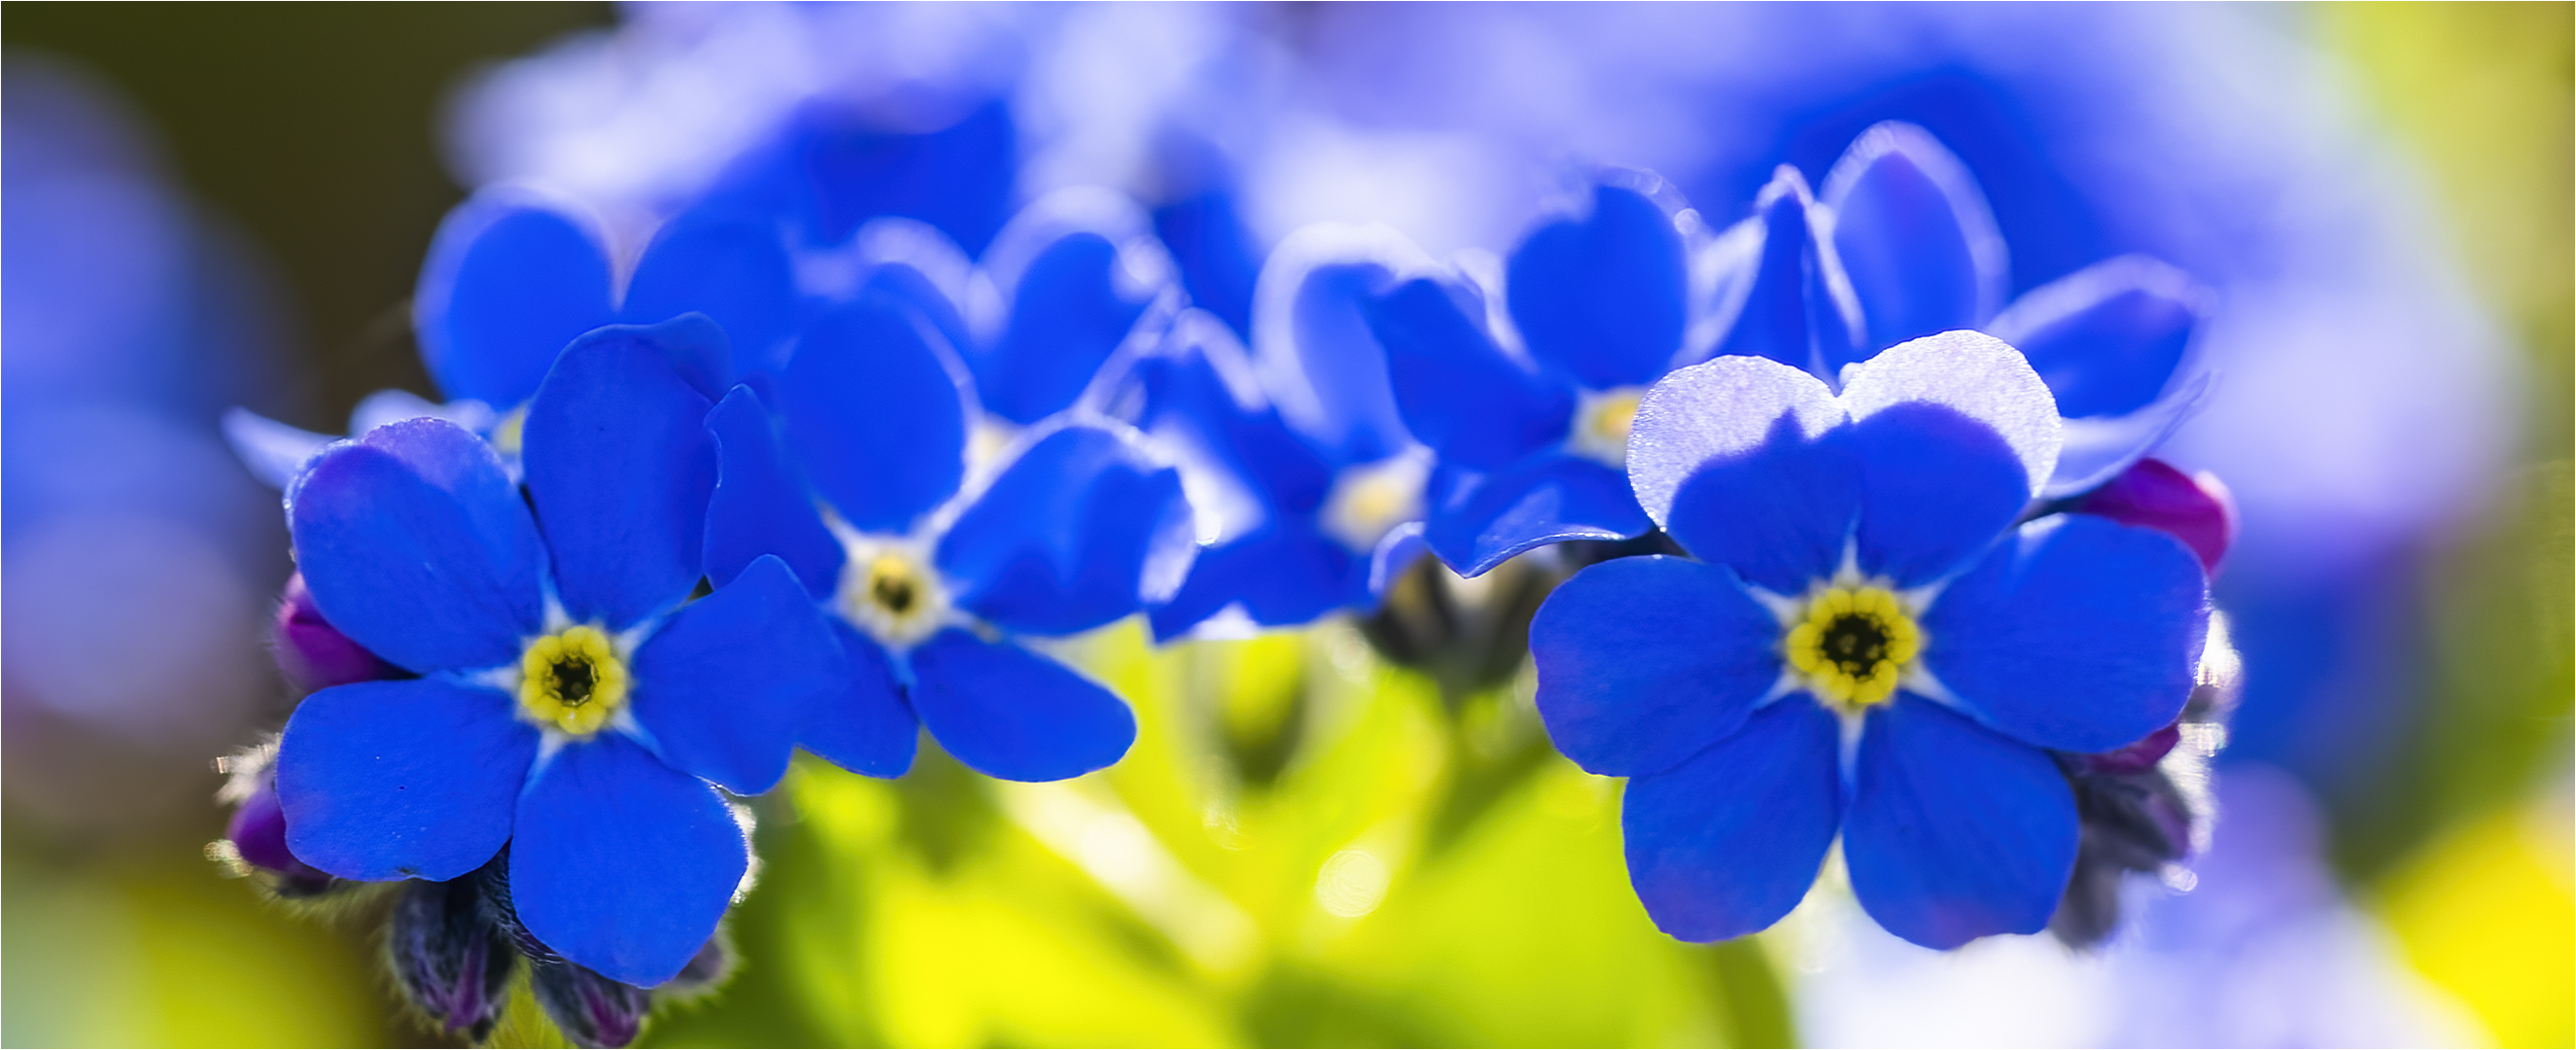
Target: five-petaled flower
x=1869, y=641
x=572, y=703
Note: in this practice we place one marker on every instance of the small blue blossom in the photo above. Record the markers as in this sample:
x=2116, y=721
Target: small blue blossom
x=1901, y=245
x=1866, y=642
x=573, y=703
x=1538, y=436
x=938, y=558
x=1077, y=276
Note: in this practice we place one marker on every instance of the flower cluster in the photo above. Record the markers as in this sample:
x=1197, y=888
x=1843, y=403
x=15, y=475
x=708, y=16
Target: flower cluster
x=1872, y=555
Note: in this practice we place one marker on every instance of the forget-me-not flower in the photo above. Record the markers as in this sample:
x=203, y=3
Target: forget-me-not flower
x=573, y=703
x=1864, y=644
x=936, y=569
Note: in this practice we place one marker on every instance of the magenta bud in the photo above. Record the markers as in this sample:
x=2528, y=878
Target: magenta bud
x=2135, y=758
x=315, y=655
x=2193, y=508
x=258, y=835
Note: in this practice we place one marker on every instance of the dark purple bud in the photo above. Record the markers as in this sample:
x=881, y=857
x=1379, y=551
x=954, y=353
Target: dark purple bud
x=705, y=970
x=450, y=963
x=2195, y=509
x=255, y=839
x=315, y=655
x=590, y=1009
x=2135, y=758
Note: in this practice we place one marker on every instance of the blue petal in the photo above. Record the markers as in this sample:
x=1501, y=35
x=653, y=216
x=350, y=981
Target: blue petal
x=1797, y=308
x=1646, y=661
x=1458, y=392
x=1077, y=271
x=725, y=684
x=619, y=469
x=416, y=545
x=2108, y=338
x=511, y=278
x=910, y=263
x=731, y=268
x=836, y=167
x=1014, y=714
x=1954, y=434
x=1068, y=536
x=759, y=505
x=1747, y=463
x=1914, y=235
x=874, y=415
x=863, y=725
x=272, y=451
x=1285, y=575
x=1600, y=297
x=407, y=779
x=1725, y=844
x=2079, y=634
x=1197, y=400
x=1547, y=498
x=2099, y=448
x=621, y=863
x=1216, y=255
x=1313, y=347
x=1955, y=833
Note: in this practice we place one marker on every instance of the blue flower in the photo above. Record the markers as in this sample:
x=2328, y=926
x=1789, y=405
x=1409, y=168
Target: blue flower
x=1865, y=643
x=1901, y=245
x=1076, y=275
x=1599, y=302
x=573, y=703
x=937, y=563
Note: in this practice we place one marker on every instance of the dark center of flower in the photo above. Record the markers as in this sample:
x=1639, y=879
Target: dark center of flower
x=894, y=590
x=574, y=678
x=1856, y=643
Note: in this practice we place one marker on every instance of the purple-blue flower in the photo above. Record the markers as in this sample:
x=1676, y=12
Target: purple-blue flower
x=573, y=702
x=1866, y=642
x=938, y=564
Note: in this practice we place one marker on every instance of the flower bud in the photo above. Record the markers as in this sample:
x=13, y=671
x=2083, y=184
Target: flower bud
x=2195, y=509
x=254, y=840
x=590, y=1009
x=449, y=961
x=315, y=655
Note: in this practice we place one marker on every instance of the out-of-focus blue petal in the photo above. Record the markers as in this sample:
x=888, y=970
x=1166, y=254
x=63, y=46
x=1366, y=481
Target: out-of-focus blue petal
x=394, y=406
x=1747, y=463
x=1014, y=714
x=1459, y=394
x=2079, y=633
x=1077, y=270
x=1547, y=498
x=1798, y=308
x=411, y=779
x=1953, y=832
x=874, y=415
x=732, y=268
x=1196, y=398
x=2098, y=448
x=1914, y=235
x=957, y=178
x=1287, y=574
x=1395, y=552
x=1937, y=488
x=910, y=262
x=760, y=505
x=621, y=863
x=2107, y=338
x=1215, y=254
x=1646, y=661
x=1312, y=344
x=272, y=451
x=415, y=545
x=1067, y=537
x=1728, y=842
x=512, y=277
x=1601, y=297
x=724, y=686
x=619, y=469
x=863, y=724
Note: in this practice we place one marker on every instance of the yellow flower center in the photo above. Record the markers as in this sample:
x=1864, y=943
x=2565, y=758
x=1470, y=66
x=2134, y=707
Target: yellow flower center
x=1853, y=644
x=1371, y=498
x=572, y=680
x=891, y=594
x=1602, y=420
x=509, y=433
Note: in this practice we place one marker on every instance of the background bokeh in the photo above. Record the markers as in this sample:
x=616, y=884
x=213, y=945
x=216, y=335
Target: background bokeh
x=211, y=206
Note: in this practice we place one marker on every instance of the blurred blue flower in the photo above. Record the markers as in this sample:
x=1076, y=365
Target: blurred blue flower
x=571, y=696
x=1901, y=245
x=938, y=557
x=1539, y=432
x=1867, y=645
